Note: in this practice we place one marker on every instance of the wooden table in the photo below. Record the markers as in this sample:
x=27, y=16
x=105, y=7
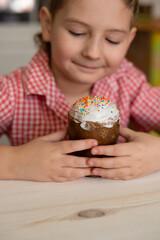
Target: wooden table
x=90, y=208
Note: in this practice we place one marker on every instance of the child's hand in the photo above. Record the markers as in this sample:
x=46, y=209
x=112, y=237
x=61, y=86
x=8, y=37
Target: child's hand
x=136, y=158
x=46, y=159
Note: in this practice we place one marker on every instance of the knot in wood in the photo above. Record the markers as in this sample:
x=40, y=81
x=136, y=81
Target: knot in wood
x=91, y=213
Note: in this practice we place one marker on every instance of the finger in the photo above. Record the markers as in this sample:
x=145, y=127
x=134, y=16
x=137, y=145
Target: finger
x=54, y=137
x=77, y=145
x=63, y=179
x=75, y=162
x=115, y=162
x=127, y=133
x=75, y=173
x=120, y=149
x=116, y=174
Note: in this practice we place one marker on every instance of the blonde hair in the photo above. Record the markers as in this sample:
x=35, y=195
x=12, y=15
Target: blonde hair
x=55, y=5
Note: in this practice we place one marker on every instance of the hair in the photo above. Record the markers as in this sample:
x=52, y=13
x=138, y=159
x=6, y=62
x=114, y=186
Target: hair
x=55, y=5
x=134, y=6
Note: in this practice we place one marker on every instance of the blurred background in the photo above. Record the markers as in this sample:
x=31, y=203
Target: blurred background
x=145, y=50
x=19, y=22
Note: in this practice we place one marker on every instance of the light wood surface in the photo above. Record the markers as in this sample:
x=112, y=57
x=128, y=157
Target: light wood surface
x=125, y=210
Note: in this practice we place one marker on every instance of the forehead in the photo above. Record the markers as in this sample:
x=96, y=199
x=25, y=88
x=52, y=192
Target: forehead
x=97, y=12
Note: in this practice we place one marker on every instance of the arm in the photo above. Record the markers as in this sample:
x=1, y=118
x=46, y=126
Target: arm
x=144, y=100
x=145, y=109
x=6, y=154
x=45, y=159
x=139, y=156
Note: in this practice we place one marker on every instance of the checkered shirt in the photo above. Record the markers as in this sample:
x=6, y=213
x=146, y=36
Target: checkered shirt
x=31, y=105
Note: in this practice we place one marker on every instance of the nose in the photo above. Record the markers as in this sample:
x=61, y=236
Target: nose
x=92, y=49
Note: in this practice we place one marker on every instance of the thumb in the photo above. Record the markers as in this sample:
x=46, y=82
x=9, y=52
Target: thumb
x=127, y=133
x=55, y=137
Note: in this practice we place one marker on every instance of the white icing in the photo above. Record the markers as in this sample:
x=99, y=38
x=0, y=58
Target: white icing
x=106, y=114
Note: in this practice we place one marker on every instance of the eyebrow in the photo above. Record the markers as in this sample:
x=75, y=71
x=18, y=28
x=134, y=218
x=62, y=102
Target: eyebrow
x=117, y=30
x=73, y=20
x=70, y=20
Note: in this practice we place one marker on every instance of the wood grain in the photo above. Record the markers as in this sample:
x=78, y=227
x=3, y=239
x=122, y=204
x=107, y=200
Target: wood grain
x=125, y=209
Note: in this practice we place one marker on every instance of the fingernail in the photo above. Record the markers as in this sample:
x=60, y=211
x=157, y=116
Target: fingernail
x=95, y=151
x=94, y=144
x=91, y=163
x=95, y=172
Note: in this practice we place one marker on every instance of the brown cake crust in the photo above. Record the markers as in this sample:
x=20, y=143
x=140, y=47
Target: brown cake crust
x=104, y=135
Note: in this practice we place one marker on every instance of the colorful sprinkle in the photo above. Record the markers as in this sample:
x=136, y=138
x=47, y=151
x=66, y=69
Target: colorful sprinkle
x=83, y=105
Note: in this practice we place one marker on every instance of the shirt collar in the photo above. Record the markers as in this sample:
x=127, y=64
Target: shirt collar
x=106, y=87
x=38, y=74
x=39, y=80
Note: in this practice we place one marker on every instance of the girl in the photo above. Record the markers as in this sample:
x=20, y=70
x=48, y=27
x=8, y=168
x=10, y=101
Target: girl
x=82, y=52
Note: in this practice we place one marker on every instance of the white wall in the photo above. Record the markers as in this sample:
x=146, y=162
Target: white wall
x=16, y=45
x=16, y=49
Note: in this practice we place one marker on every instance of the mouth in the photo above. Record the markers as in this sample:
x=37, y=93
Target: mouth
x=88, y=67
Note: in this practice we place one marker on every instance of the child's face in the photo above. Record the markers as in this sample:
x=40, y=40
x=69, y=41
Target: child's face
x=89, y=39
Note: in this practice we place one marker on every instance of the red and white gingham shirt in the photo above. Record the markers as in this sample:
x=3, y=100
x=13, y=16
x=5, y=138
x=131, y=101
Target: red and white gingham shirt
x=31, y=105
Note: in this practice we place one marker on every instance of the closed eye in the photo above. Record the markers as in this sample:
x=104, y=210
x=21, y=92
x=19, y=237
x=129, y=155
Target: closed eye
x=76, y=33
x=112, y=42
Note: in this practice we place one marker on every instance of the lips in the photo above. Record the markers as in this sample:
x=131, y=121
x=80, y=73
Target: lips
x=89, y=67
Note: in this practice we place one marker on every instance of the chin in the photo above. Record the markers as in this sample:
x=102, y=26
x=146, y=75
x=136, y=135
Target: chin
x=86, y=80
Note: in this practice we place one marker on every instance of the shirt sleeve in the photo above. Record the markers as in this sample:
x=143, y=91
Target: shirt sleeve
x=6, y=103
x=145, y=105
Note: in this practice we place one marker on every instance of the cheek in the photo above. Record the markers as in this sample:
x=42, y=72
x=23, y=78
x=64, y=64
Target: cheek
x=116, y=56
x=60, y=52
x=63, y=49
